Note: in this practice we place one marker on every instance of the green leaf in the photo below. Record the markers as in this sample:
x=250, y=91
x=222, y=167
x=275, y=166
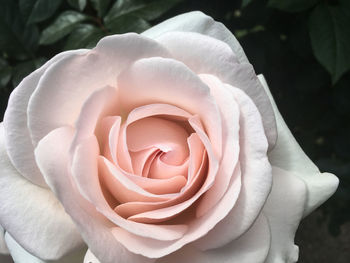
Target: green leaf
x=126, y=24
x=78, y=4
x=5, y=76
x=245, y=3
x=292, y=5
x=329, y=28
x=5, y=73
x=84, y=36
x=64, y=24
x=100, y=6
x=35, y=11
x=16, y=39
x=147, y=10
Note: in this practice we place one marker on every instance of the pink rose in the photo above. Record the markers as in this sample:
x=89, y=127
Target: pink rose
x=163, y=147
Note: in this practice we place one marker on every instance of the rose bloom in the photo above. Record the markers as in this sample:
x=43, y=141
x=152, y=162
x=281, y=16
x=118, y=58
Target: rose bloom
x=160, y=147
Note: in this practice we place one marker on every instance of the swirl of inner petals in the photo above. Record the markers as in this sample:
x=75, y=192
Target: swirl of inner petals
x=153, y=160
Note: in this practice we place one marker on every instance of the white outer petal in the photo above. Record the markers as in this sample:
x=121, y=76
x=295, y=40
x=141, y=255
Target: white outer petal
x=17, y=137
x=20, y=255
x=289, y=156
x=252, y=247
x=207, y=55
x=94, y=227
x=67, y=84
x=284, y=209
x=32, y=214
x=198, y=22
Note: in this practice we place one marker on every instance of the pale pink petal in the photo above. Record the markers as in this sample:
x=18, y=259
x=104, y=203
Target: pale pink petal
x=123, y=155
x=160, y=80
x=256, y=177
x=244, y=78
x=102, y=133
x=165, y=135
x=197, y=151
x=196, y=228
x=289, y=156
x=252, y=247
x=284, y=209
x=142, y=160
x=230, y=128
x=197, y=169
x=166, y=110
x=189, y=47
x=123, y=188
x=163, y=186
x=99, y=104
x=89, y=222
x=85, y=173
x=67, y=84
x=199, y=22
x=30, y=212
x=170, y=211
x=124, y=161
x=131, y=210
x=220, y=61
x=17, y=137
x=162, y=170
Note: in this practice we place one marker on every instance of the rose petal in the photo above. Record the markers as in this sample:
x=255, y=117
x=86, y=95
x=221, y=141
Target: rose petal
x=196, y=228
x=230, y=116
x=40, y=214
x=89, y=222
x=142, y=161
x=189, y=48
x=17, y=137
x=196, y=171
x=244, y=78
x=253, y=245
x=139, y=113
x=256, y=178
x=85, y=173
x=221, y=62
x=100, y=103
x=289, y=156
x=102, y=133
x=165, y=135
x=165, y=110
x=66, y=85
x=284, y=209
x=168, y=81
x=161, y=170
x=198, y=22
x=123, y=188
x=168, y=212
x=163, y=186
x=19, y=254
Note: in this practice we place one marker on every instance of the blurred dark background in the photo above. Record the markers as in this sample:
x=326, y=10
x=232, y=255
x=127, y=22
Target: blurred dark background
x=301, y=46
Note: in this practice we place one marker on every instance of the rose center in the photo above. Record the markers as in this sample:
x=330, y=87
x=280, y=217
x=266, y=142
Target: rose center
x=161, y=145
